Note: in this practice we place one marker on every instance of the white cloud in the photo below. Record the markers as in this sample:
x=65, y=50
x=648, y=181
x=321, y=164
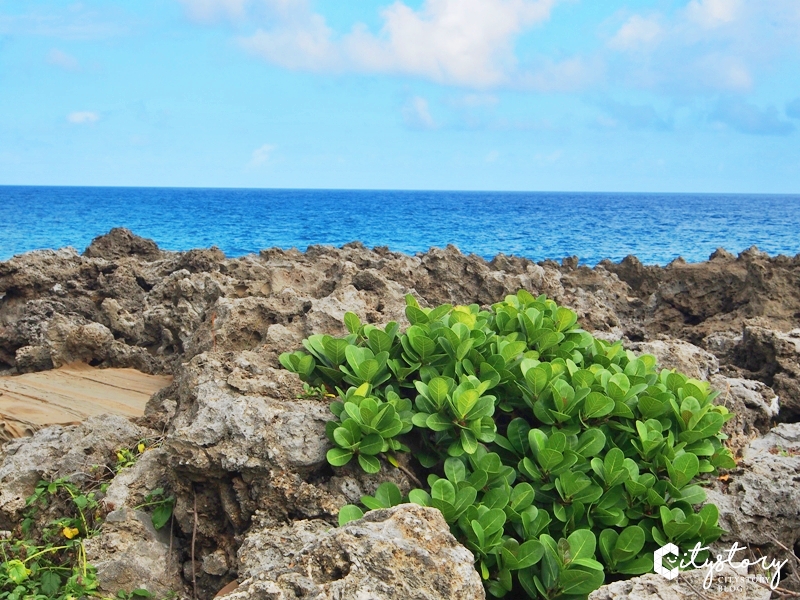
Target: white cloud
x=463, y=42
x=261, y=155
x=636, y=32
x=492, y=156
x=299, y=44
x=61, y=59
x=699, y=46
x=82, y=117
x=707, y=45
x=417, y=114
x=713, y=13
x=209, y=11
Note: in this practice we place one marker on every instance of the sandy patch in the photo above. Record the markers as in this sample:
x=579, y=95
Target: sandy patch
x=71, y=394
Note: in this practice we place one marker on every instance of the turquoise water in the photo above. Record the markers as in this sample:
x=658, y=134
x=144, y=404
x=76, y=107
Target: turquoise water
x=655, y=227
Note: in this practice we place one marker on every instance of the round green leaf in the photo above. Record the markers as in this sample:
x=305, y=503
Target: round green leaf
x=348, y=513
x=338, y=457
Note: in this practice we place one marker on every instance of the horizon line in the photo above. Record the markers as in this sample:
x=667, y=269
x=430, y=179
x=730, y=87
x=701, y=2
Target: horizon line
x=428, y=190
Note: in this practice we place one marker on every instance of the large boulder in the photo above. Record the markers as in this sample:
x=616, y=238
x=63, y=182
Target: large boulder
x=403, y=552
x=128, y=531
x=130, y=554
x=120, y=243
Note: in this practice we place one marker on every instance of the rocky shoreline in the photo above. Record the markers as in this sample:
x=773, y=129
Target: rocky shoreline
x=244, y=454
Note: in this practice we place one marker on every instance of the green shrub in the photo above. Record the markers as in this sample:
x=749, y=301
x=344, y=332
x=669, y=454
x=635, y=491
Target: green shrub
x=558, y=459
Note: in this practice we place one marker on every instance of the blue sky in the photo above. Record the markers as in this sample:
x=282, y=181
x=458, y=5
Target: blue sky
x=697, y=96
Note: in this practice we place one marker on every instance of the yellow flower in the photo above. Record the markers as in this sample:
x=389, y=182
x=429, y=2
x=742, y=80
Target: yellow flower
x=140, y=447
x=70, y=532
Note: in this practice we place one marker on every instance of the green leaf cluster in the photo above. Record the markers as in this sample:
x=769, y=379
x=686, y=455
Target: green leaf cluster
x=557, y=458
x=50, y=562
x=46, y=560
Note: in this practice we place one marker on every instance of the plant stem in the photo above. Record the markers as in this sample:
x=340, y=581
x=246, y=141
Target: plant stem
x=45, y=551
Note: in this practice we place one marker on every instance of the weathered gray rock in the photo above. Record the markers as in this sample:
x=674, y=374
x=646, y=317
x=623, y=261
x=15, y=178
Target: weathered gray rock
x=754, y=406
x=128, y=551
x=402, y=552
x=223, y=429
x=238, y=438
x=30, y=359
x=130, y=554
x=727, y=584
x=56, y=452
x=774, y=358
x=131, y=485
x=683, y=356
x=120, y=243
x=723, y=344
x=71, y=342
x=761, y=501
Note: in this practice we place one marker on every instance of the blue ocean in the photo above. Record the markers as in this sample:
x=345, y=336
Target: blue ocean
x=657, y=228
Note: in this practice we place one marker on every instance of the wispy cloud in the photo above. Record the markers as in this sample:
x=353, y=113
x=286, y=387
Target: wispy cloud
x=83, y=117
x=706, y=45
x=636, y=33
x=210, y=11
x=714, y=13
x=689, y=48
x=751, y=119
x=467, y=43
x=59, y=58
x=417, y=114
x=300, y=44
x=462, y=42
x=68, y=23
x=261, y=155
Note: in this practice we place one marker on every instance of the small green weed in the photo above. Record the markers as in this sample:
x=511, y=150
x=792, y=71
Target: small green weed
x=50, y=563
x=311, y=392
x=160, y=506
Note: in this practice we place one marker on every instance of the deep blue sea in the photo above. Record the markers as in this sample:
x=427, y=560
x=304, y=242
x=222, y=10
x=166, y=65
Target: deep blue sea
x=655, y=227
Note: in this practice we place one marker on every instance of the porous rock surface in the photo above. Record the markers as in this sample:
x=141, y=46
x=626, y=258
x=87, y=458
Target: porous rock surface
x=244, y=454
x=760, y=503
x=726, y=584
x=402, y=552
